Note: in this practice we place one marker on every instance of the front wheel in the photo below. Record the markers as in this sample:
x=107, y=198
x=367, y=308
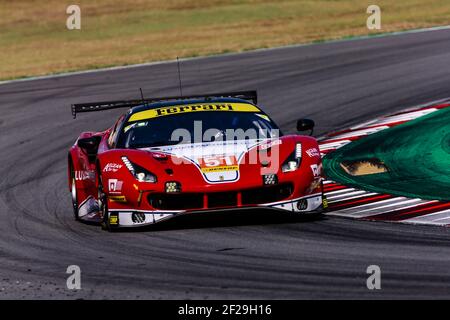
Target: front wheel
x=103, y=206
x=74, y=193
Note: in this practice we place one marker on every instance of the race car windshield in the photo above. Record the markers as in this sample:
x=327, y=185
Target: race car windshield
x=197, y=127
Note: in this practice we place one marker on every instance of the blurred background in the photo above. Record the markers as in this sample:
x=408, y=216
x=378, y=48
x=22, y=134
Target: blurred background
x=34, y=38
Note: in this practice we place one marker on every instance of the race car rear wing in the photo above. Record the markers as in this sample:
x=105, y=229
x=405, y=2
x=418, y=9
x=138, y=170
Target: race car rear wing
x=107, y=105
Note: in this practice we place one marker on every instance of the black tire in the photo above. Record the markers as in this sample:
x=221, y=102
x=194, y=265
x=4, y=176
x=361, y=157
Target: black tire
x=103, y=206
x=74, y=193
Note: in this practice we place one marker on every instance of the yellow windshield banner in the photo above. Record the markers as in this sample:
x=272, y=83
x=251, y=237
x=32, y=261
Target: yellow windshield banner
x=166, y=111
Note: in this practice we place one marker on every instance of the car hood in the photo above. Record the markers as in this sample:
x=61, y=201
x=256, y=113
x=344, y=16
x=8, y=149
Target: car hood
x=217, y=161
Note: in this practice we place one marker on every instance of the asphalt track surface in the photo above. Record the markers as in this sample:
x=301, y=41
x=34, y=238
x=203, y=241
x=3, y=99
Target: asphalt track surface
x=254, y=255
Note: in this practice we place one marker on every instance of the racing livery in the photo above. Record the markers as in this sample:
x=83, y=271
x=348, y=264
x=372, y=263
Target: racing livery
x=178, y=155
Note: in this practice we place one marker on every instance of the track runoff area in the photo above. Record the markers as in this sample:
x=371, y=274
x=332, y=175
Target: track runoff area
x=393, y=168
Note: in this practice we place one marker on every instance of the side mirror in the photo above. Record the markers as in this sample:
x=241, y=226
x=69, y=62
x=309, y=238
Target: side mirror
x=90, y=146
x=305, y=125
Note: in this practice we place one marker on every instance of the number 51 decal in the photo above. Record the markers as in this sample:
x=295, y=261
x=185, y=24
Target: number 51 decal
x=218, y=163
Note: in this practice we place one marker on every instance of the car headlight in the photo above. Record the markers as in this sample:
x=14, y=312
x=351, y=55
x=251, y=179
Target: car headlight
x=173, y=186
x=290, y=166
x=294, y=160
x=141, y=174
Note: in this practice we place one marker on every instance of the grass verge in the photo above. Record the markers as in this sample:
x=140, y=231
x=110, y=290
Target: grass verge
x=35, y=41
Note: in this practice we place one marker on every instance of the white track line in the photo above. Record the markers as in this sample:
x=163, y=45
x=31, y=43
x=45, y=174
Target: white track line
x=377, y=203
x=406, y=116
x=437, y=218
x=403, y=207
x=346, y=196
x=389, y=206
x=333, y=145
x=365, y=194
x=341, y=191
x=354, y=212
x=358, y=133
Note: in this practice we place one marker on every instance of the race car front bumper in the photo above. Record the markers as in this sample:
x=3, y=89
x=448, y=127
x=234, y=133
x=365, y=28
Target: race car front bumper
x=310, y=204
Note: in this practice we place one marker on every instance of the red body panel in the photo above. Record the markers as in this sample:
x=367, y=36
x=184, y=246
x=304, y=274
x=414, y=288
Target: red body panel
x=124, y=193
x=303, y=180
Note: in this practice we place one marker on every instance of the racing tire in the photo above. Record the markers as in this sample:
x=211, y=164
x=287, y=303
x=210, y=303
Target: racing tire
x=103, y=207
x=74, y=193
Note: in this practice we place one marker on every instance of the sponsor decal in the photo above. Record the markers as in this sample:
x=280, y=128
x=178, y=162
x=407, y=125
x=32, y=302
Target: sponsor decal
x=315, y=170
x=115, y=186
x=218, y=163
x=269, y=144
x=160, y=156
x=325, y=202
x=114, y=219
x=313, y=153
x=84, y=175
x=118, y=198
x=112, y=167
x=165, y=111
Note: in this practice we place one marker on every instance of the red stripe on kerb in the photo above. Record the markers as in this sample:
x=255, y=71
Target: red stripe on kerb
x=331, y=185
x=438, y=106
x=442, y=106
x=326, y=152
x=411, y=111
x=332, y=134
x=408, y=213
x=334, y=188
x=342, y=139
x=389, y=124
x=331, y=137
x=354, y=203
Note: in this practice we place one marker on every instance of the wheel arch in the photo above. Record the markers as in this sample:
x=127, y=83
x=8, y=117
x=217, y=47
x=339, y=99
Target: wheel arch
x=70, y=169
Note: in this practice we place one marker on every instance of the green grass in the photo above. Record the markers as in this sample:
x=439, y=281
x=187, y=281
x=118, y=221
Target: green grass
x=34, y=39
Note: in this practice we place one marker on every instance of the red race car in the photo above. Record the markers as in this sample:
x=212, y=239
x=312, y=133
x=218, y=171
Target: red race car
x=177, y=155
